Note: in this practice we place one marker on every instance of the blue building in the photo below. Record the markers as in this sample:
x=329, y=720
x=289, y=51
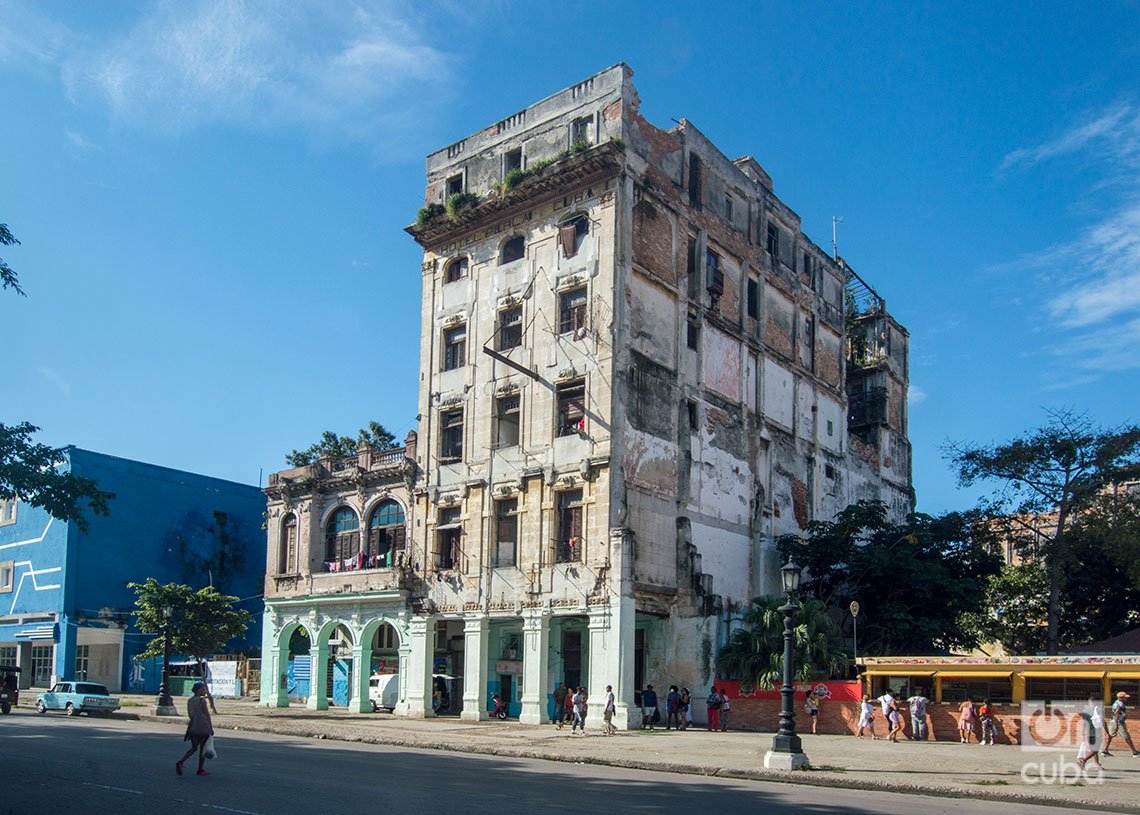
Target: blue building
x=65, y=608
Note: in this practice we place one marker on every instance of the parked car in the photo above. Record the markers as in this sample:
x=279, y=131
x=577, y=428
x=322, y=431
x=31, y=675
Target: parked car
x=10, y=689
x=76, y=698
x=384, y=691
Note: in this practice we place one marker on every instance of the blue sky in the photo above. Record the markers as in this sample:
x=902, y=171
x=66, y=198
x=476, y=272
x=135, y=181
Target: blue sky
x=211, y=195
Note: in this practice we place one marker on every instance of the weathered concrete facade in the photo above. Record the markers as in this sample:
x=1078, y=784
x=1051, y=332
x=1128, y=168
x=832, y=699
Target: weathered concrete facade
x=637, y=372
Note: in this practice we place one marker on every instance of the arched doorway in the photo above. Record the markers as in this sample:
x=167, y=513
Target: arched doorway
x=340, y=666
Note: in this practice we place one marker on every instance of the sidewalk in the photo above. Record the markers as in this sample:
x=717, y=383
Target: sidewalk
x=942, y=769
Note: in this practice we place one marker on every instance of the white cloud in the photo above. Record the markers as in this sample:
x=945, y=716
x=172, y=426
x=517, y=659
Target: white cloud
x=57, y=380
x=361, y=71
x=915, y=395
x=1096, y=276
x=79, y=140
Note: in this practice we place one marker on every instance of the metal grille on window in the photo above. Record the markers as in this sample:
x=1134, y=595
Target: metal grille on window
x=510, y=328
x=451, y=436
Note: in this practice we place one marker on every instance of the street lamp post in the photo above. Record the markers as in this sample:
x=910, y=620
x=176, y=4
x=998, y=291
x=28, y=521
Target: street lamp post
x=165, y=705
x=787, y=750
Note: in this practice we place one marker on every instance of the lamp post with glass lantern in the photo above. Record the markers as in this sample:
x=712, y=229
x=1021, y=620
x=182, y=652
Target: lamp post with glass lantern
x=165, y=705
x=787, y=750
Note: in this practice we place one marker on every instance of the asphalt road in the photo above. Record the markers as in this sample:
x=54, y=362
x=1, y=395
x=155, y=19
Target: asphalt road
x=55, y=764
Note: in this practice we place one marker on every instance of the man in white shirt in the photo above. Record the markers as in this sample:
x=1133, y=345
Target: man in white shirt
x=608, y=712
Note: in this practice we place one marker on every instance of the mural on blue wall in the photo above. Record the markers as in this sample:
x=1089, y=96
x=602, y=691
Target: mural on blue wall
x=202, y=550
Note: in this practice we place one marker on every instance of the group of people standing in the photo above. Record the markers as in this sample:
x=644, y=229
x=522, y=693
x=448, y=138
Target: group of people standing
x=679, y=709
x=893, y=714
x=572, y=704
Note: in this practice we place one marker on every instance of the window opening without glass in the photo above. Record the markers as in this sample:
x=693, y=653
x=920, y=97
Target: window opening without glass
x=571, y=408
x=572, y=311
x=569, y=544
x=451, y=435
x=448, y=535
x=510, y=328
x=506, y=532
x=507, y=421
x=386, y=536
x=513, y=250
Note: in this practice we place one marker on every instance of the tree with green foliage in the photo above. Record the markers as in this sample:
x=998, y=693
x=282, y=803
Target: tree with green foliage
x=8, y=277
x=755, y=652
x=334, y=446
x=917, y=583
x=1058, y=471
x=1016, y=605
x=202, y=621
x=30, y=473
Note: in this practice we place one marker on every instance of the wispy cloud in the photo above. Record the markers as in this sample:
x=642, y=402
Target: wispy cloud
x=1096, y=275
x=915, y=395
x=77, y=139
x=363, y=71
x=57, y=380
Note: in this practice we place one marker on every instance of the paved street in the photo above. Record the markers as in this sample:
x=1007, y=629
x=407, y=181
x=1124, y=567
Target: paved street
x=99, y=767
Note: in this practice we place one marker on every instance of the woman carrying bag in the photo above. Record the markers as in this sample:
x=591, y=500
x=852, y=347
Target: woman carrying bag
x=199, y=731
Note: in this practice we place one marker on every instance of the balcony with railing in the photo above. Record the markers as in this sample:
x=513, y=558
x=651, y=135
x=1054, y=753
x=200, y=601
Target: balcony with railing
x=867, y=407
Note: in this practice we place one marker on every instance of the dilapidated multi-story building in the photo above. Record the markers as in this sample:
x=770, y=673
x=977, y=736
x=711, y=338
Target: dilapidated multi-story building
x=636, y=373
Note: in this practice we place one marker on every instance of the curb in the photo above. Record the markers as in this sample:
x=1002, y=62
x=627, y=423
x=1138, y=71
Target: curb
x=772, y=776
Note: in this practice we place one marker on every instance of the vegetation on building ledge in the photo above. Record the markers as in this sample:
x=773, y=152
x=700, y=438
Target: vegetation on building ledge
x=546, y=177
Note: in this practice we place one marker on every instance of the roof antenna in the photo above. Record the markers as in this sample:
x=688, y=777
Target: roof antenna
x=836, y=220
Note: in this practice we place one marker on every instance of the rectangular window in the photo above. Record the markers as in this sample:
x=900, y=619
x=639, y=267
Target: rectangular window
x=809, y=270
x=572, y=311
x=1072, y=689
x=693, y=333
x=451, y=436
x=512, y=160
x=694, y=181
x=454, y=347
x=510, y=328
x=82, y=661
x=447, y=537
x=7, y=511
x=7, y=654
x=714, y=276
x=580, y=131
x=506, y=532
x=455, y=185
x=692, y=406
x=691, y=269
x=456, y=270
x=7, y=575
x=43, y=657
x=829, y=470
x=773, y=240
x=571, y=408
x=569, y=544
x=510, y=645
x=830, y=427
x=728, y=208
x=753, y=304
x=507, y=421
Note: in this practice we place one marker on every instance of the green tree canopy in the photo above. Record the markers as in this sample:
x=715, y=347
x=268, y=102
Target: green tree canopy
x=1059, y=470
x=1016, y=605
x=917, y=583
x=755, y=652
x=30, y=472
x=8, y=277
x=331, y=445
x=202, y=621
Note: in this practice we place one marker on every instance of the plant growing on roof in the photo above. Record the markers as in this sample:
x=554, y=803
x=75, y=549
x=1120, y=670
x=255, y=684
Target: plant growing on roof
x=460, y=201
x=427, y=213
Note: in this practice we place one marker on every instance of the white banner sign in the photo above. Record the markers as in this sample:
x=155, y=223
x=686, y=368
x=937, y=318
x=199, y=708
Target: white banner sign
x=223, y=679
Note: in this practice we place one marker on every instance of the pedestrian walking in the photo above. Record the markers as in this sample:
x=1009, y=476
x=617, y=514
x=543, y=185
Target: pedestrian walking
x=987, y=715
x=712, y=705
x=673, y=708
x=1092, y=718
x=965, y=720
x=812, y=708
x=918, y=713
x=725, y=707
x=684, y=709
x=1119, y=725
x=608, y=711
x=895, y=722
x=579, y=702
x=559, y=705
x=867, y=716
x=198, y=730
x=648, y=706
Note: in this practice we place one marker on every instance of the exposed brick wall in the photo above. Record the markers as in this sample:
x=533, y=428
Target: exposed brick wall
x=838, y=718
x=653, y=241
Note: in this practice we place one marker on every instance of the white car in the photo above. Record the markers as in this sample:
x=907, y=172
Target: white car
x=384, y=691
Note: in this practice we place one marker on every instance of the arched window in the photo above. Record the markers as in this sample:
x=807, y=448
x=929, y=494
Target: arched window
x=513, y=250
x=571, y=233
x=456, y=270
x=386, y=536
x=287, y=555
x=342, y=538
